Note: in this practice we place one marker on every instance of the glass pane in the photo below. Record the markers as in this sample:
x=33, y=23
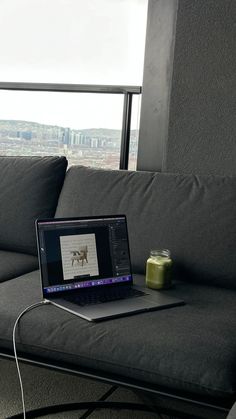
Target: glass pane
x=85, y=127
x=73, y=41
x=134, y=134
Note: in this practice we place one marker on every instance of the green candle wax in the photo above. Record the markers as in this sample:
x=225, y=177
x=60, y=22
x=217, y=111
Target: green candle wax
x=158, y=272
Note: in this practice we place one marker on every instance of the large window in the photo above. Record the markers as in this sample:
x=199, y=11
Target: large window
x=97, y=42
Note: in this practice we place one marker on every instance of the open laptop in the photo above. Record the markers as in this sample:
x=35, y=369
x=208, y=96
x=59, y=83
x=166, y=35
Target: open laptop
x=85, y=268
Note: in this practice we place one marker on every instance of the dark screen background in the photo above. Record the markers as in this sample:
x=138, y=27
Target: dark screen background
x=53, y=253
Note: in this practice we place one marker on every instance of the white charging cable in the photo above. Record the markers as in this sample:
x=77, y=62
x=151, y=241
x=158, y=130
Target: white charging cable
x=14, y=347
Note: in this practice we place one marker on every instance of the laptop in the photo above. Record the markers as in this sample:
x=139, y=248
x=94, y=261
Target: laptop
x=85, y=268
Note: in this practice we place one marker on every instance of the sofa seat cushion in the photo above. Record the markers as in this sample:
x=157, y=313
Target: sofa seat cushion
x=29, y=188
x=190, y=348
x=193, y=216
x=14, y=264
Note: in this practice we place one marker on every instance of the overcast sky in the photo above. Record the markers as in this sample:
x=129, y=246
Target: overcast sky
x=70, y=41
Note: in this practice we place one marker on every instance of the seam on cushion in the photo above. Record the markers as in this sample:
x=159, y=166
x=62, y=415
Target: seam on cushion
x=134, y=368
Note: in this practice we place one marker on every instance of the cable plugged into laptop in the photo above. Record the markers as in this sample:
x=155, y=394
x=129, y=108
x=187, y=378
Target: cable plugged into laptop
x=46, y=302
x=31, y=307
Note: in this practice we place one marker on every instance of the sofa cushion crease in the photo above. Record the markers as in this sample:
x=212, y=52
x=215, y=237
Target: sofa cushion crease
x=33, y=349
x=14, y=264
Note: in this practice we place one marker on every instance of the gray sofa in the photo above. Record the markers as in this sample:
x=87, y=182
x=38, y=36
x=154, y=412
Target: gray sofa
x=180, y=360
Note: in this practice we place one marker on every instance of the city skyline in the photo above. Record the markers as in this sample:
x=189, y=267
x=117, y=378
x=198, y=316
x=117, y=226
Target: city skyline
x=32, y=124
x=97, y=147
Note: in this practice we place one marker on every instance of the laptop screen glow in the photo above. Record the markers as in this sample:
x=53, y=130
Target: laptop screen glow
x=83, y=252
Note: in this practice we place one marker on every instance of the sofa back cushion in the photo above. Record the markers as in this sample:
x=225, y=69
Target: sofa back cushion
x=193, y=216
x=29, y=189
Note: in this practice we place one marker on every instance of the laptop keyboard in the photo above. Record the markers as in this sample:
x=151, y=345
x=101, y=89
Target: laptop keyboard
x=105, y=296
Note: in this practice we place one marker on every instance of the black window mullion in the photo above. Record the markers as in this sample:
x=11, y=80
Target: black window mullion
x=125, y=133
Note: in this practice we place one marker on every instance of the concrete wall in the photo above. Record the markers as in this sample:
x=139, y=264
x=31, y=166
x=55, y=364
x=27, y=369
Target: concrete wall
x=200, y=133
x=202, y=119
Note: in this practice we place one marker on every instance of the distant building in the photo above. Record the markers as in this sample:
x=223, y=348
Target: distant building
x=67, y=136
x=25, y=135
x=75, y=138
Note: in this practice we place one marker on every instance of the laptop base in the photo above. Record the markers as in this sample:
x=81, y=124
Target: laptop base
x=154, y=300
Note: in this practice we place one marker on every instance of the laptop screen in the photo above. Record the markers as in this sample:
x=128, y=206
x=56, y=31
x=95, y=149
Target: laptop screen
x=80, y=253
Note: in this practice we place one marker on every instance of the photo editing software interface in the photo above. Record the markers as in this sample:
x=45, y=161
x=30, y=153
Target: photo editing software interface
x=82, y=253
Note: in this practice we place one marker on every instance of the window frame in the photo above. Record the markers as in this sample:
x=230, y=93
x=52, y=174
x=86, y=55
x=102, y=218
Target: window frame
x=126, y=91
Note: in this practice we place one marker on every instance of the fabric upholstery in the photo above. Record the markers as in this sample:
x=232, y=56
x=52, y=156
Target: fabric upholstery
x=13, y=264
x=179, y=348
x=29, y=188
x=193, y=216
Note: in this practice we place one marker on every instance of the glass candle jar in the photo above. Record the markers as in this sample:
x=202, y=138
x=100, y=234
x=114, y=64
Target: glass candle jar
x=158, y=269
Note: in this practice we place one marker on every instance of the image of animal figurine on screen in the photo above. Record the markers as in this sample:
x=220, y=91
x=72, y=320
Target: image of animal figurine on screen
x=80, y=256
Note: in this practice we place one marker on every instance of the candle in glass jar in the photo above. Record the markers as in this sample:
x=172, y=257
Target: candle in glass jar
x=158, y=269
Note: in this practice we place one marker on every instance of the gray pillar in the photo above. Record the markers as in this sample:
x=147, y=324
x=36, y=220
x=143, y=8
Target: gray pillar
x=158, y=65
x=188, y=122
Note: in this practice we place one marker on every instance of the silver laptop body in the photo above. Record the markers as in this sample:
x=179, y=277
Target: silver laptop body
x=85, y=268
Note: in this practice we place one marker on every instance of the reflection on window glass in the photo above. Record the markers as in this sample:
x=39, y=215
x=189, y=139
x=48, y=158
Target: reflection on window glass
x=84, y=127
